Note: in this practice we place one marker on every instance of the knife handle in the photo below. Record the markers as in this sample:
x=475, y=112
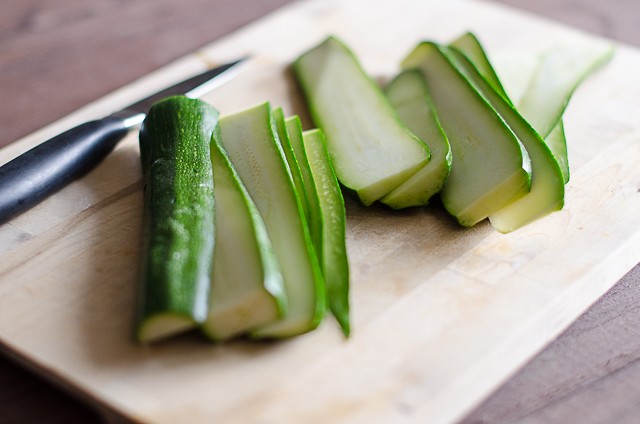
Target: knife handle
x=45, y=169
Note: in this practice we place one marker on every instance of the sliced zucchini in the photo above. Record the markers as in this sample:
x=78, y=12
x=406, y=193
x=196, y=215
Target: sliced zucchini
x=292, y=161
x=516, y=68
x=517, y=80
x=547, y=185
x=469, y=44
x=294, y=130
x=558, y=75
x=490, y=168
x=250, y=139
x=546, y=98
x=409, y=97
x=246, y=283
x=371, y=151
x=178, y=237
x=333, y=255
x=557, y=143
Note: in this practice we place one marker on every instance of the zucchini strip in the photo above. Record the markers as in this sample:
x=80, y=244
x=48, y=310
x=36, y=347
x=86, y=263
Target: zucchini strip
x=559, y=74
x=490, y=168
x=333, y=254
x=371, y=151
x=409, y=96
x=246, y=283
x=547, y=185
x=251, y=141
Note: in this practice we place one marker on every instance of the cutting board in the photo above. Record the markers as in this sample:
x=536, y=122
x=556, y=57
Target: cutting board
x=441, y=314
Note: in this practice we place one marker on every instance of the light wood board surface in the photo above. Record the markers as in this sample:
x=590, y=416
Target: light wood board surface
x=441, y=315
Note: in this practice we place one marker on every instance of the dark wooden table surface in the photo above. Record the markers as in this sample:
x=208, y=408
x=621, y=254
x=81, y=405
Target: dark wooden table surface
x=57, y=55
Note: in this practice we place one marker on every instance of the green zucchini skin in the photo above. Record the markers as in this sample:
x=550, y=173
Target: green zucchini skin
x=332, y=213
x=178, y=220
x=292, y=160
x=294, y=130
x=471, y=47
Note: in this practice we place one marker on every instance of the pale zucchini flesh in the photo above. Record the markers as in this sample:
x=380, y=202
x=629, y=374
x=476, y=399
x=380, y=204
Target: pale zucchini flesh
x=408, y=95
x=371, y=151
x=489, y=168
x=515, y=67
x=557, y=143
x=558, y=75
x=246, y=282
x=333, y=252
x=547, y=184
x=250, y=139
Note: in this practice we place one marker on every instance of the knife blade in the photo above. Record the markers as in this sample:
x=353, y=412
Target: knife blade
x=53, y=164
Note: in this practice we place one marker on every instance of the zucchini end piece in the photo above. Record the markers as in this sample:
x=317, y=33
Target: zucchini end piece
x=162, y=326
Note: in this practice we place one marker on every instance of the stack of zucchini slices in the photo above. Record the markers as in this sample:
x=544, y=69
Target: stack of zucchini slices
x=446, y=125
x=244, y=225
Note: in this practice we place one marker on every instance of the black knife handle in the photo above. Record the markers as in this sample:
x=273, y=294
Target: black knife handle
x=45, y=169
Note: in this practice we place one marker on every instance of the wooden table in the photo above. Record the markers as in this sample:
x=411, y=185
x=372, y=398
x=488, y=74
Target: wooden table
x=57, y=56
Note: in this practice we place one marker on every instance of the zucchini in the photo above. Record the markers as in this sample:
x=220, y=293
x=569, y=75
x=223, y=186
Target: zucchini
x=471, y=47
x=557, y=143
x=371, y=151
x=409, y=97
x=292, y=160
x=547, y=185
x=516, y=68
x=294, y=130
x=246, y=282
x=250, y=139
x=557, y=77
x=519, y=76
x=178, y=235
x=490, y=168
x=559, y=73
x=333, y=254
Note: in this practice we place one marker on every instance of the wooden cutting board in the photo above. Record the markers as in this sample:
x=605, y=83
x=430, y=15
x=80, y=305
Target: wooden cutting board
x=441, y=314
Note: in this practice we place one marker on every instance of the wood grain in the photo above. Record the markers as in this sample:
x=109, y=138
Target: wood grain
x=537, y=394
x=592, y=371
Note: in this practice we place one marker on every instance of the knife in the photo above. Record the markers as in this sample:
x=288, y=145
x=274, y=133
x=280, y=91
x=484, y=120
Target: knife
x=45, y=169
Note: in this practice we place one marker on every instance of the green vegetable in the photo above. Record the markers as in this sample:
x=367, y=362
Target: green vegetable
x=470, y=46
x=490, y=168
x=547, y=185
x=246, y=282
x=546, y=98
x=333, y=254
x=292, y=161
x=518, y=79
x=250, y=139
x=294, y=130
x=178, y=217
x=409, y=96
x=372, y=152
x=557, y=143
